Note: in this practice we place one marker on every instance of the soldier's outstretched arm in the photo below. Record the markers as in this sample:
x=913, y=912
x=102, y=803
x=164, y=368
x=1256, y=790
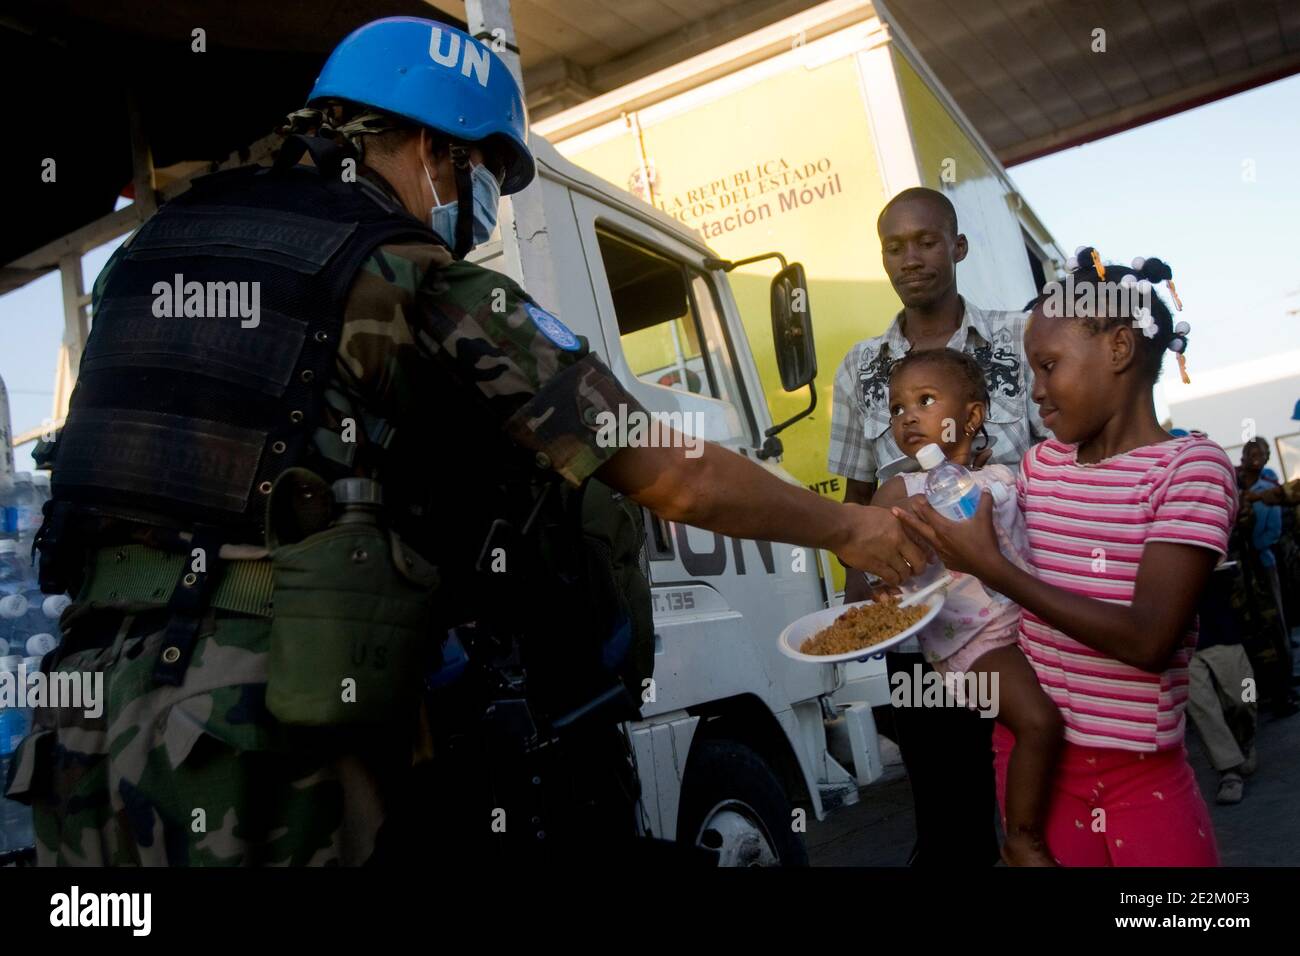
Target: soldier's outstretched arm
x=554, y=397
x=721, y=491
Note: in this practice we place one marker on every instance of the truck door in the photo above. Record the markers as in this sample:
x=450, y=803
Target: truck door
x=719, y=603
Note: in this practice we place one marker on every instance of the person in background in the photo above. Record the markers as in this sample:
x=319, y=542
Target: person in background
x=1287, y=549
x=1259, y=527
x=1219, y=675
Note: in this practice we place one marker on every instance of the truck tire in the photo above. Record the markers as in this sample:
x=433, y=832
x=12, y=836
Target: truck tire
x=733, y=804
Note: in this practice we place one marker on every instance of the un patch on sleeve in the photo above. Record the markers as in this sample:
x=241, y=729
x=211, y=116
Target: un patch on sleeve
x=560, y=335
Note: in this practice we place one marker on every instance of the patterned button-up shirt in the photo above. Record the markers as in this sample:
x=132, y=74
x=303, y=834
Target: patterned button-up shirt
x=861, y=441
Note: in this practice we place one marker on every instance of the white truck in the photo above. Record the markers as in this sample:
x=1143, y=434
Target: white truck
x=737, y=741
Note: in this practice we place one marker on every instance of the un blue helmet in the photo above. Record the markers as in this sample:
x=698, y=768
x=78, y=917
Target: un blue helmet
x=438, y=76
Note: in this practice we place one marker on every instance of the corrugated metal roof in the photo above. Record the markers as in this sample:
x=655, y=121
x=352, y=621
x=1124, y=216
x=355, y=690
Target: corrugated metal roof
x=1029, y=74
x=1033, y=78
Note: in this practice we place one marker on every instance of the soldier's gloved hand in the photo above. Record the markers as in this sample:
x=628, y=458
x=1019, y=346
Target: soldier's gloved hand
x=878, y=542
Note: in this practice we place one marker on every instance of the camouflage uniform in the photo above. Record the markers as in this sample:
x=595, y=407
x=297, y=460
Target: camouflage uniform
x=202, y=774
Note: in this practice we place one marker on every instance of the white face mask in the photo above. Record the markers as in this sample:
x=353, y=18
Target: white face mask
x=486, y=194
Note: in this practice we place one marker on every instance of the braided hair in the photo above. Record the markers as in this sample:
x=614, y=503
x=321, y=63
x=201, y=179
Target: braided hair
x=1104, y=297
x=964, y=370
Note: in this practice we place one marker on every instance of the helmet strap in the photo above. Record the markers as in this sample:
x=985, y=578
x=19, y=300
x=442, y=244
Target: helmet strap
x=464, y=201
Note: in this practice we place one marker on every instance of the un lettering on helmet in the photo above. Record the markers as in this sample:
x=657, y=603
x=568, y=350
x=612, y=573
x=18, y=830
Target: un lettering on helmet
x=473, y=58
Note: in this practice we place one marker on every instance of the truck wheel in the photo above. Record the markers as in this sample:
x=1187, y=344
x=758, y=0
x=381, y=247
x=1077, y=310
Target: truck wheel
x=734, y=805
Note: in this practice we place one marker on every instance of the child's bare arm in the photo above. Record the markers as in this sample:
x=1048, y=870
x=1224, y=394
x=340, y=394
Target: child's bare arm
x=892, y=492
x=1144, y=634
x=1026, y=710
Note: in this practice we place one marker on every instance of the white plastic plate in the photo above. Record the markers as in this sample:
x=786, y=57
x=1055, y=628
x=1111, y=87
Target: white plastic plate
x=792, y=637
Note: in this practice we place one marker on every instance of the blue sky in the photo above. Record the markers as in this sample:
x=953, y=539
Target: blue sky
x=1175, y=189
x=1180, y=189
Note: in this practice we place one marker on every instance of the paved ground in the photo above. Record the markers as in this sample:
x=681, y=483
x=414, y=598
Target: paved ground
x=1262, y=830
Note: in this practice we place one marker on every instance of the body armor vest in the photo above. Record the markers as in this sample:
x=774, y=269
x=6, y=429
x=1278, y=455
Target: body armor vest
x=214, y=341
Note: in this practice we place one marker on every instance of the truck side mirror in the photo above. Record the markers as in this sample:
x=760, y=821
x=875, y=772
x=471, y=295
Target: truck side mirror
x=796, y=354
x=792, y=334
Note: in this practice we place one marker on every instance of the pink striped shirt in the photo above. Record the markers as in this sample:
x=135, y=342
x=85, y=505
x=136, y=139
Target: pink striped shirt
x=1087, y=526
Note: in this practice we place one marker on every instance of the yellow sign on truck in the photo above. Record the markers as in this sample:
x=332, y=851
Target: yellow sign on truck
x=792, y=139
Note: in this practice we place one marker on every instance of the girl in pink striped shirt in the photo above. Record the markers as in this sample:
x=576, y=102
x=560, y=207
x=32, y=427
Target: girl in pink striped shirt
x=1125, y=524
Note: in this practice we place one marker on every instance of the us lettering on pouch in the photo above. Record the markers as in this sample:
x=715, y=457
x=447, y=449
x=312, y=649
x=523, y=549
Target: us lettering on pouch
x=364, y=654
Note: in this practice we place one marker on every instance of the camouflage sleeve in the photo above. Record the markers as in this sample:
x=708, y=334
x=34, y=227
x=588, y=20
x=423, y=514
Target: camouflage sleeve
x=544, y=383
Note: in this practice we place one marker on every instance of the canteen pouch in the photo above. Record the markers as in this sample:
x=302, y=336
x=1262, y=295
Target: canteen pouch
x=352, y=627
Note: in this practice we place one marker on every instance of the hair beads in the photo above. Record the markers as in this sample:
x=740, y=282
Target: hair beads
x=1147, y=314
x=1174, y=292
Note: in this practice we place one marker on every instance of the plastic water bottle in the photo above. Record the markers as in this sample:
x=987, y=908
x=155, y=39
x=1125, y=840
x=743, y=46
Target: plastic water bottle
x=10, y=829
x=28, y=502
x=8, y=507
x=54, y=605
x=13, y=575
x=949, y=487
x=15, y=819
x=13, y=719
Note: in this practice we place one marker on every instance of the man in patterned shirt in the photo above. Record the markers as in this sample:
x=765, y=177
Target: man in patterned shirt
x=946, y=750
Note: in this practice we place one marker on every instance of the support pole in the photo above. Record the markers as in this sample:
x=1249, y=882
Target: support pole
x=527, y=248
x=6, y=439
x=76, y=328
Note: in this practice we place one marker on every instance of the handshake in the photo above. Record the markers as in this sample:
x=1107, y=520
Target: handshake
x=879, y=543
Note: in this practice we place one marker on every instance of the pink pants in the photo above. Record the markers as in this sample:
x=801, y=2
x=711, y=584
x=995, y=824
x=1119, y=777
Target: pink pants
x=1118, y=808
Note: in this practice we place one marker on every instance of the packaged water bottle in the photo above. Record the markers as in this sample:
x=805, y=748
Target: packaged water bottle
x=38, y=645
x=28, y=502
x=15, y=820
x=949, y=487
x=13, y=575
x=14, y=606
x=20, y=830
x=9, y=830
x=13, y=719
x=8, y=508
x=54, y=605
